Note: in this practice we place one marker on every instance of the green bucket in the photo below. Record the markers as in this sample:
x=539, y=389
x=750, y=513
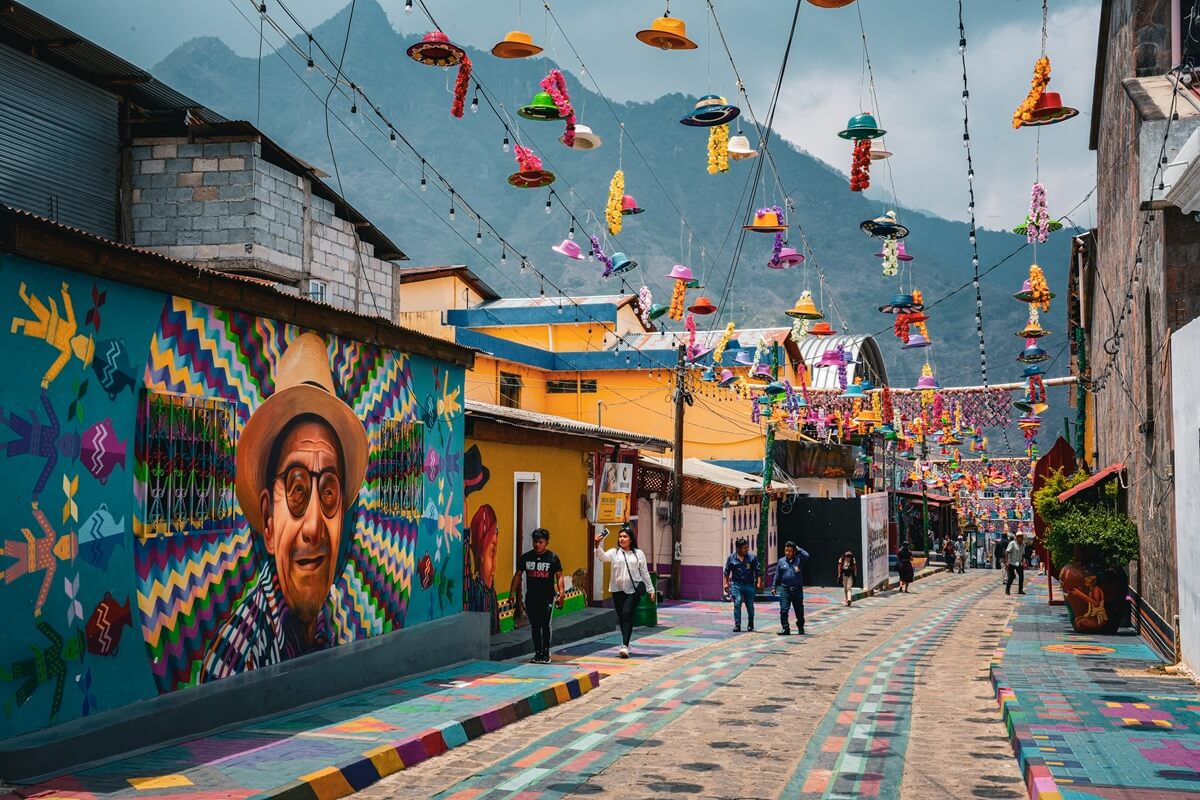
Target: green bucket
x=646, y=612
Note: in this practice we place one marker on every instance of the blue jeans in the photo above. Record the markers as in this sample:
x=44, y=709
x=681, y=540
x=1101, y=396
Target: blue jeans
x=742, y=593
x=791, y=598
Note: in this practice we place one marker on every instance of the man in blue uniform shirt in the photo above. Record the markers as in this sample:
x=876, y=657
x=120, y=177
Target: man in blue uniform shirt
x=789, y=584
x=741, y=582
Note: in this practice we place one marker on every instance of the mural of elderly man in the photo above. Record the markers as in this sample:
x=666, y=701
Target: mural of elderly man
x=300, y=463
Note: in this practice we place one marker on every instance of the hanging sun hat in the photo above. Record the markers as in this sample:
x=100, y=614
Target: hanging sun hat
x=710, y=110
x=694, y=283
x=767, y=220
x=708, y=376
x=585, y=139
x=788, y=257
x=657, y=310
x=831, y=358
x=878, y=151
x=926, y=382
x=739, y=148
x=726, y=379
x=744, y=358
x=570, y=249
x=1049, y=110
x=1021, y=229
x=821, y=329
x=901, y=304
x=901, y=253
x=622, y=263
x=862, y=126
x=868, y=416
x=884, y=227
x=702, y=306
x=1026, y=293
x=761, y=373
x=516, y=44
x=680, y=273
x=916, y=341
x=1027, y=406
x=667, y=33
x=1032, y=370
x=775, y=390
x=1032, y=354
x=1033, y=330
x=854, y=391
x=699, y=353
x=541, y=107
x=630, y=206
x=531, y=178
x=805, y=308
x=831, y=3
x=436, y=50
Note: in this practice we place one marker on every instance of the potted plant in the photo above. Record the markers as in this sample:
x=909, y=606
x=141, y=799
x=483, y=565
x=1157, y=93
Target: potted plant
x=1094, y=541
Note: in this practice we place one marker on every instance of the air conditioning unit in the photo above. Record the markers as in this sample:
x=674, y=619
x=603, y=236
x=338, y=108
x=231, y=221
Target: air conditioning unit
x=316, y=290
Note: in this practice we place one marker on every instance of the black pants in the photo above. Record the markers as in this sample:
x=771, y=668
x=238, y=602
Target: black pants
x=625, y=603
x=540, y=613
x=1017, y=572
x=794, y=599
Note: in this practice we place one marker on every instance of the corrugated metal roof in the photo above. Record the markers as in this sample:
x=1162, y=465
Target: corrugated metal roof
x=618, y=300
x=863, y=349
x=462, y=271
x=722, y=476
x=745, y=337
x=563, y=425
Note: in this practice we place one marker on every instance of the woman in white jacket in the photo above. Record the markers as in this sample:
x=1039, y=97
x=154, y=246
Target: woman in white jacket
x=629, y=577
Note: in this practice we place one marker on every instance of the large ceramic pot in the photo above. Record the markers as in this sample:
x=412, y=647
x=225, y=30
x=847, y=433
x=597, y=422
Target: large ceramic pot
x=1095, y=595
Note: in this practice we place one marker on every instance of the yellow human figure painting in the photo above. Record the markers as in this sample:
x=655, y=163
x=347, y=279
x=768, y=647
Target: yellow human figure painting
x=56, y=330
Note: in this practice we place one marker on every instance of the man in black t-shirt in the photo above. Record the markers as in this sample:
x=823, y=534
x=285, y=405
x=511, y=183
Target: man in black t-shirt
x=543, y=591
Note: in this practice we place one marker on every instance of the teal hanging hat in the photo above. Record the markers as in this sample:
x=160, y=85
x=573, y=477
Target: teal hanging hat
x=862, y=126
x=854, y=392
x=622, y=263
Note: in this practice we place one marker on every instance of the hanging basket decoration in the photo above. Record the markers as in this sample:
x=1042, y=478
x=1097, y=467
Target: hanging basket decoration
x=891, y=258
x=860, y=166
x=612, y=211
x=461, y=83
x=722, y=343
x=678, y=299
x=645, y=303
x=436, y=50
x=768, y=220
x=530, y=174
x=1037, y=229
x=1037, y=86
x=718, y=149
x=556, y=86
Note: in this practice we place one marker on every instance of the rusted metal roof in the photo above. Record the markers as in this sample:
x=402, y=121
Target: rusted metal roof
x=538, y=421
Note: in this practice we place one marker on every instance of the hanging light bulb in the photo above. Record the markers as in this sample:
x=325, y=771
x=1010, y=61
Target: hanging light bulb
x=354, y=104
x=522, y=266
x=560, y=309
x=962, y=45
x=452, y=209
x=475, y=102
x=479, y=236
x=392, y=137
x=971, y=237
x=424, y=186
x=504, y=145
x=548, y=206
x=311, y=65
x=571, y=232
x=971, y=175
x=503, y=254
x=407, y=6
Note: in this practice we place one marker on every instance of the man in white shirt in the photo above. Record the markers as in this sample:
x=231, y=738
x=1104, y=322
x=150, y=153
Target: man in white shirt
x=1013, y=556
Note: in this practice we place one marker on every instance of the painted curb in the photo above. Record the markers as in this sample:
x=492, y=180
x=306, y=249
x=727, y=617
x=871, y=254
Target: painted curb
x=330, y=783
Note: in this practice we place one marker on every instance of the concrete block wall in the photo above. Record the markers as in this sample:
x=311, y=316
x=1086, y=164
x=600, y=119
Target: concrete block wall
x=221, y=204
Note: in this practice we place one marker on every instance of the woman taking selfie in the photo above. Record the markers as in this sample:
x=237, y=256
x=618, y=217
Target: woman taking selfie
x=628, y=580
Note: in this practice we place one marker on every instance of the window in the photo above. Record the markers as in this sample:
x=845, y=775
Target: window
x=562, y=387
x=187, y=444
x=399, y=469
x=510, y=390
x=587, y=386
x=316, y=290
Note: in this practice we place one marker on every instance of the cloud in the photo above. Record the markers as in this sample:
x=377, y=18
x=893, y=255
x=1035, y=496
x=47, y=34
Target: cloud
x=920, y=105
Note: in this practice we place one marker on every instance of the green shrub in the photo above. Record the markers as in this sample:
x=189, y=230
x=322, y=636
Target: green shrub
x=1045, y=499
x=1104, y=531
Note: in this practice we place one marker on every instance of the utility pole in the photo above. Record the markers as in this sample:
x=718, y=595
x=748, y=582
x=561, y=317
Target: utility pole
x=768, y=472
x=682, y=398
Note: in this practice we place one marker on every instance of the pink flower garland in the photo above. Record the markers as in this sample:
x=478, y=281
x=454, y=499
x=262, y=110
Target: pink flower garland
x=645, y=300
x=689, y=324
x=526, y=160
x=461, y=84
x=556, y=85
x=1038, y=226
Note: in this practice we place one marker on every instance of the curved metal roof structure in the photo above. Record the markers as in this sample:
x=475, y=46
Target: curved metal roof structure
x=868, y=359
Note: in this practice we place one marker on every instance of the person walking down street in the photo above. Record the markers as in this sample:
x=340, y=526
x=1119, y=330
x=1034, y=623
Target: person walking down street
x=543, y=591
x=1014, y=556
x=904, y=566
x=789, y=585
x=960, y=555
x=948, y=554
x=628, y=580
x=742, y=582
x=847, y=569
x=998, y=554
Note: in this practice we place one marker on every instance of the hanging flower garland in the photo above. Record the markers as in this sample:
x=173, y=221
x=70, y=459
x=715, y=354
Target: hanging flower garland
x=1038, y=288
x=900, y=327
x=526, y=159
x=461, y=84
x=920, y=323
x=860, y=166
x=556, y=85
x=645, y=300
x=1041, y=78
x=598, y=252
x=841, y=370
x=722, y=343
x=891, y=260
x=927, y=394
x=886, y=412
x=718, y=149
x=777, y=248
x=1037, y=228
x=689, y=325
x=759, y=352
x=678, y=298
x=612, y=212
x=800, y=329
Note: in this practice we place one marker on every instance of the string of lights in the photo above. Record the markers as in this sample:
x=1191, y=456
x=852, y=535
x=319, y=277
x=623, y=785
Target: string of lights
x=971, y=235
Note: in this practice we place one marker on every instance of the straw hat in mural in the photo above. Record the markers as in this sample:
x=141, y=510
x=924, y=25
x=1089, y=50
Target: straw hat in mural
x=303, y=385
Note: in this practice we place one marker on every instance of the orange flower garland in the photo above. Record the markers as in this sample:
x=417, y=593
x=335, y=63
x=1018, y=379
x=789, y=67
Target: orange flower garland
x=612, y=212
x=1041, y=78
x=1039, y=288
x=920, y=298
x=678, y=298
x=718, y=149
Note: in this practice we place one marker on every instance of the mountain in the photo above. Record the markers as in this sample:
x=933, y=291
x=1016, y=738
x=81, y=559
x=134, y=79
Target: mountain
x=417, y=98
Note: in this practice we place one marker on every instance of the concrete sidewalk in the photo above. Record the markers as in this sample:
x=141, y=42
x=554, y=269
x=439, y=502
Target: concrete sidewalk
x=1092, y=716
x=333, y=749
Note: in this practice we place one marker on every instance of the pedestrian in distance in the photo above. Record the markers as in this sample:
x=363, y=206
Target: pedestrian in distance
x=742, y=582
x=789, y=585
x=543, y=591
x=998, y=554
x=1014, y=556
x=960, y=555
x=847, y=569
x=904, y=566
x=948, y=554
x=628, y=580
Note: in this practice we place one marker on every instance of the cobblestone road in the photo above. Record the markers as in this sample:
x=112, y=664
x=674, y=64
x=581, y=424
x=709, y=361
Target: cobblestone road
x=886, y=699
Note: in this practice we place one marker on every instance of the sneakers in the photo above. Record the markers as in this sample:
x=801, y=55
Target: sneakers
x=540, y=658
x=784, y=632
x=738, y=629
x=624, y=651
x=750, y=628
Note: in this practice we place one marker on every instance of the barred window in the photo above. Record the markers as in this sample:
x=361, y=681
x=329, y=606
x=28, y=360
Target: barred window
x=399, y=468
x=510, y=390
x=562, y=387
x=187, y=444
x=587, y=386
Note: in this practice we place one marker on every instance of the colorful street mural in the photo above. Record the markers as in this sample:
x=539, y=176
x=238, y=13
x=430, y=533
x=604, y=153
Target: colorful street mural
x=193, y=492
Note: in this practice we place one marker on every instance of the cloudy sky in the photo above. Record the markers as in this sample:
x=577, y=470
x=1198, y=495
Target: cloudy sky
x=913, y=50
